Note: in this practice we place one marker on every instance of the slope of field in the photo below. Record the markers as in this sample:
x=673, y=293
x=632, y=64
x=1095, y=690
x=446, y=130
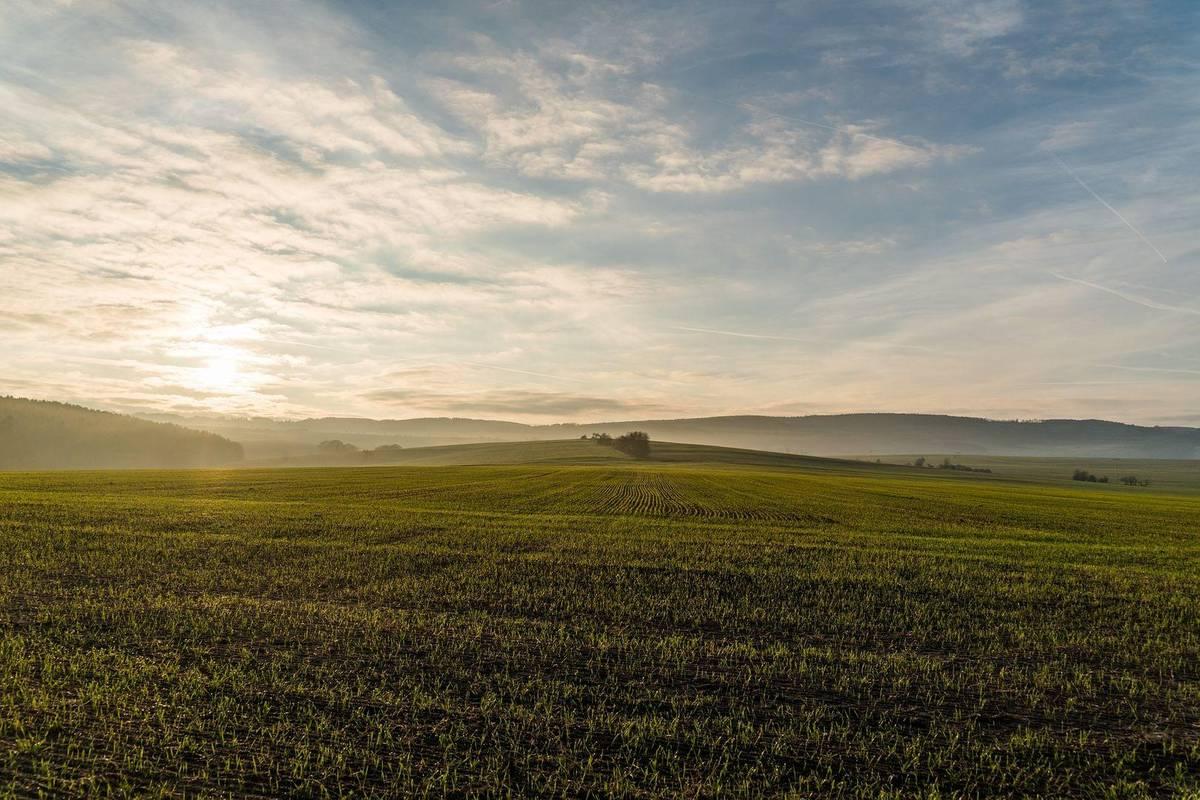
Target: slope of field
x=1172, y=475
x=840, y=434
x=35, y=434
x=572, y=451
x=623, y=629
x=578, y=452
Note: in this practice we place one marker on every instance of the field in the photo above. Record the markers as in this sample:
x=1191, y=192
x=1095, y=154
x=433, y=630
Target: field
x=1165, y=474
x=709, y=624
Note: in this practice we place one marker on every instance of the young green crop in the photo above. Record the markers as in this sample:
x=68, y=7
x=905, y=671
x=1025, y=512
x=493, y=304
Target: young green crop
x=609, y=630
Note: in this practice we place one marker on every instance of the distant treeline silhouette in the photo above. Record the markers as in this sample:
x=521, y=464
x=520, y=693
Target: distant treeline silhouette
x=40, y=434
x=634, y=443
x=948, y=464
x=1128, y=480
x=344, y=451
x=1084, y=475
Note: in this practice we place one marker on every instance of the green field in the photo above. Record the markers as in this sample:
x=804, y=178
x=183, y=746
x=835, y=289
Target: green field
x=1163, y=474
x=707, y=624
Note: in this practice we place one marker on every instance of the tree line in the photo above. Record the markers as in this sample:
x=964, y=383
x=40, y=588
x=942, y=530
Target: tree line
x=336, y=448
x=948, y=464
x=1128, y=480
x=634, y=443
x=41, y=434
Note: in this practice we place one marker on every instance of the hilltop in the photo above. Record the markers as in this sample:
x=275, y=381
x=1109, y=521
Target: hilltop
x=577, y=452
x=1162, y=474
x=828, y=435
x=877, y=434
x=39, y=434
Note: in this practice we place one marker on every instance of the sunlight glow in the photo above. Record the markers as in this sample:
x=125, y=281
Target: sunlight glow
x=220, y=374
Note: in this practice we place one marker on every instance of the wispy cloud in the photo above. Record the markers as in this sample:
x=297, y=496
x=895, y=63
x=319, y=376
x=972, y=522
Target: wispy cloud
x=511, y=402
x=294, y=208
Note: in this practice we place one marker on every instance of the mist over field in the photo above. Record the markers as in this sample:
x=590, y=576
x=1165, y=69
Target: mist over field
x=44, y=435
x=843, y=434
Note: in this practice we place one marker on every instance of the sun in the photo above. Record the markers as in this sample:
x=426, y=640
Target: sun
x=221, y=369
x=220, y=373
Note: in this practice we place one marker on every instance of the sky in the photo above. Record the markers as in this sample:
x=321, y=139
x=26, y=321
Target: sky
x=567, y=211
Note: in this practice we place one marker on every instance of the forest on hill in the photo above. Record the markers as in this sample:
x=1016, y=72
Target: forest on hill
x=39, y=434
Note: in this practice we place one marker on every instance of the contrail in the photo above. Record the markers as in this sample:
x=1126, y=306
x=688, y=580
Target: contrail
x=1087, y=383
x=739, y=335
x=439, y=363
x=1132, y=298
x=892, y=345
x=479, y=365
x=1172, y=370
x=1104, y=203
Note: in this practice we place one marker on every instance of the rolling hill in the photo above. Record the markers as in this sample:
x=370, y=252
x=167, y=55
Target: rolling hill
x=1162, y=474
x=578, y=452
x=836, y=434
x=36, y=434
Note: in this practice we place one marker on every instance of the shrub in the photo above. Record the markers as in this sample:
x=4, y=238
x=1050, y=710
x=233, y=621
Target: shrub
x=634, y=443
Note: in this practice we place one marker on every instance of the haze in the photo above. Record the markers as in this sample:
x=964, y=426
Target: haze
x=547, y=212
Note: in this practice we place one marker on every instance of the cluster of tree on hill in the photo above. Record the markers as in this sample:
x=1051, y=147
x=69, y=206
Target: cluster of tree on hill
x=38, y=434
x=634, y=443
x=336, y=448
x=947, y=464
x=1128, y=480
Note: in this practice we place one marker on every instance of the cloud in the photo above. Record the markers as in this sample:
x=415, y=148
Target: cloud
x=1068, y=135
x=15, y=321
x=317, y=119
x=512, y=402
x=274, y=209
x=961, y=28
x=599, y=124
x=779, y=153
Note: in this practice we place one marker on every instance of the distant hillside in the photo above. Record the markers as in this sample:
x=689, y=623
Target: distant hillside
x=37, y=434
x=836, y=434
x=270, y=438
x=573, y=452
x=872, y=434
